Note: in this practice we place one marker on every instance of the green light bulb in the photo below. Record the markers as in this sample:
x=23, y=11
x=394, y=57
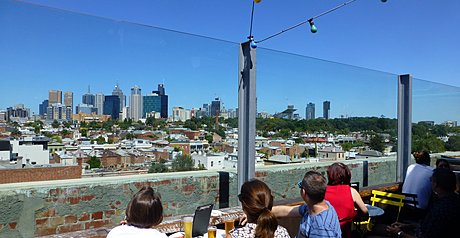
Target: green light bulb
x=313, y=28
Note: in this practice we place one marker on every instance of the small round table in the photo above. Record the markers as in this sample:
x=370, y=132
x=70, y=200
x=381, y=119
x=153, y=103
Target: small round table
x=374, y=211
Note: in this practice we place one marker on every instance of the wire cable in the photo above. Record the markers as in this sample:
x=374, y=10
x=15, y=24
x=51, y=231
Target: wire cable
x=303, y=22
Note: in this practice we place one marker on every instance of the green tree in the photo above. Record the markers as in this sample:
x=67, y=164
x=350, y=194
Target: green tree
x=182, y=163
x=55, y=124
x=100, y=140
x=16, y=133
x=84, y=132
x=94, y=162
x=158, y=167
x=453, y=144
x=428, y=142
x=376, y=143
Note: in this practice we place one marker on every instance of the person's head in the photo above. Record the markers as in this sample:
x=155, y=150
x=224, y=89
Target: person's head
x=145, y=209
x=313, y=187
x=338, y=173
x=442, y=163
x=422, y=157
x=443, y=180
x=257, y=201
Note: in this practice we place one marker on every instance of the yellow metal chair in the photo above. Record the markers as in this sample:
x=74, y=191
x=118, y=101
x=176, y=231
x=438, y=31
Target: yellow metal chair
x=386, y=198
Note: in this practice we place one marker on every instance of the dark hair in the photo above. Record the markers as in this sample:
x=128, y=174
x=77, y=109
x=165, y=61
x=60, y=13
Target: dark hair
x=439, y=161
x=338, y=173
x=422, y=157
x=257, y=201
x=145, y=209
x=314, y=185
x=445, y=179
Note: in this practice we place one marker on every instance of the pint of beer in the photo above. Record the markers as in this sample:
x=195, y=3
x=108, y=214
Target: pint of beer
x=229, y=225
x=212, y=230
x=188, y=222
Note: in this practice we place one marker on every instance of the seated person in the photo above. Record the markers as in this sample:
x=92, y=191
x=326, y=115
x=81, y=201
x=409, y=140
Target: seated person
x=143, y=211
x=442, y=219
x=442, y=163
x=342, y=197
x=319, y=218
x=257, y=201
x=417, y=180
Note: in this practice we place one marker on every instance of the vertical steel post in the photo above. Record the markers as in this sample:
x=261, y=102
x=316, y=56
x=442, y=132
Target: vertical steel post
x=247, y=113
x=404, y=125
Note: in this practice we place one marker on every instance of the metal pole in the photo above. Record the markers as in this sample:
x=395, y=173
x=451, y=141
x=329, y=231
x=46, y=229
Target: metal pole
x=246, y=113
x=404, y=125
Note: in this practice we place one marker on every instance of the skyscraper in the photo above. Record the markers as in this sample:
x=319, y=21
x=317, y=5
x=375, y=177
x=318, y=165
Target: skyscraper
x=43, y=107
x=310, y=111
x=68, y=100
x=215, y=107
x=54, y=96
x=99, y=103
x=326, y=109
x=117, y=91
x=164, y=100
x=89, y=98
x=151, y=103
x=135, y=103
x=112, y=106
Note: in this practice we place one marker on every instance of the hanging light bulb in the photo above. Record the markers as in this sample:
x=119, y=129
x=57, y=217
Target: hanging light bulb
x=257, y=1
x=380, y=0
x=313, y=28
x=253, y=44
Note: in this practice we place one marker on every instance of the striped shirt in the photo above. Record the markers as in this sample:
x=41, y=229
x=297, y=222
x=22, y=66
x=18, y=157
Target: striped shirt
x=324, y=224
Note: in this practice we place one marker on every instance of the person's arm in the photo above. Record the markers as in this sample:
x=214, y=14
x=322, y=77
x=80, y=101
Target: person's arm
x=396, y=229
x=286, y=211
x=359, y=204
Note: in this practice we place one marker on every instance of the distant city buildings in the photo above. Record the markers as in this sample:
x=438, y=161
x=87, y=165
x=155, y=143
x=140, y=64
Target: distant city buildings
x=326, y=109
x=135, y=103
x=89, y=98
x=18, y=111
x=181, y=114
x=112, y=106
x=215, y=107
x=118, y=92
x=163, y=100
x=286, y=114
x=310, y=111
x=58, y=111
x=99, y=103
x=54, y=96
x=68, y=100
x=42, y=108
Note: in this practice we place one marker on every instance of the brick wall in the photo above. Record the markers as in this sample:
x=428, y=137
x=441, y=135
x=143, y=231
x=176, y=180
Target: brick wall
x=56, y=207
x=20, y=175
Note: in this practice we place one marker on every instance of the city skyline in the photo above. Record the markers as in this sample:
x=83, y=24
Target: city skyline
x=194, y=69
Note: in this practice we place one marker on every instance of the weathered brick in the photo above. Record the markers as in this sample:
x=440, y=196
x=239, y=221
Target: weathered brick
x=41, y=221
x=50, y=212
x=85, y=217
x=73, y=200
x=96, y=224
x=45, y=231
x=56, y=221
x=96, y=216
x=109, y=213
x=70, y=219
x=87, y=198
x=70, y=228
x=13, y=225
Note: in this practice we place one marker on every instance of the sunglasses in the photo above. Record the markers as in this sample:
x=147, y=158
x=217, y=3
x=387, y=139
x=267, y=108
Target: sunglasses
x=300, y=184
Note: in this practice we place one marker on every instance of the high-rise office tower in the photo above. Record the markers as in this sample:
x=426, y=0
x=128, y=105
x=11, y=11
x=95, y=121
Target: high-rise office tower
x=151, y=103
x=54, y=96
x=89, y=98
x=99, y=102
x=310, y=111
x=68, y=100
x=215, y=107
x=164, y=100
x=326, y=109
x=117, y=91
x=43, y=107
x=112, y=106
x=135, y=103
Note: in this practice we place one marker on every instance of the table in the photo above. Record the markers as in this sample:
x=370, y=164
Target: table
x=220, y=234
x=374, y=211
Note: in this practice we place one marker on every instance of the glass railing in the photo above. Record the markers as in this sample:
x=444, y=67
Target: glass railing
x=311, y=113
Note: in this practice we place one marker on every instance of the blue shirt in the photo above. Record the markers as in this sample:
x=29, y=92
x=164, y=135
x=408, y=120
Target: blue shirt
x=324, y=224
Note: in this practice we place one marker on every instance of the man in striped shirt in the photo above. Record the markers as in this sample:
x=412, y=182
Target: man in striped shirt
x=319, y=218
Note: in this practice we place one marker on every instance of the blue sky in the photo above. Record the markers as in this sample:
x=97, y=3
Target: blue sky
x=46, y=49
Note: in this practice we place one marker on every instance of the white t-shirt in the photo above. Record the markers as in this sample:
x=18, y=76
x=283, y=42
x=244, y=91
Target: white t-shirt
x=418, y=181
x=124, y=231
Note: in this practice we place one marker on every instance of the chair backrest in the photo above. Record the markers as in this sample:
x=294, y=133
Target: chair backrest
x=411, y=199
x=387, y=198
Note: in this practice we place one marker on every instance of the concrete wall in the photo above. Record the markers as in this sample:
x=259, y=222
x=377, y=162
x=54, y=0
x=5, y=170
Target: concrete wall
x=52, y=207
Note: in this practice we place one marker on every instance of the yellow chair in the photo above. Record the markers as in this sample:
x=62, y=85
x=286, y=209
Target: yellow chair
x=386, y=198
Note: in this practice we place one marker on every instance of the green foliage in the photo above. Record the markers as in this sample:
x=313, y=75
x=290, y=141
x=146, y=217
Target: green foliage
x=283, y=133
x=100, y=140
x=348, y=145
x=16, y=133
x=55, y=124
x=67, y=124
x=428, y=142
x=376, y=143
x=158, y=167
x=84, y=132
x=182, y=163
x=56, y=138
x=130, y=136
x=453, y=144
x=208, y=137
x=94, y=162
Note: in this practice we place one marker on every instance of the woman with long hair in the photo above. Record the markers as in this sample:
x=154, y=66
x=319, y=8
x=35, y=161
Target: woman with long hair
x=257, y=201
x=143, y=212
x=343, y=197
